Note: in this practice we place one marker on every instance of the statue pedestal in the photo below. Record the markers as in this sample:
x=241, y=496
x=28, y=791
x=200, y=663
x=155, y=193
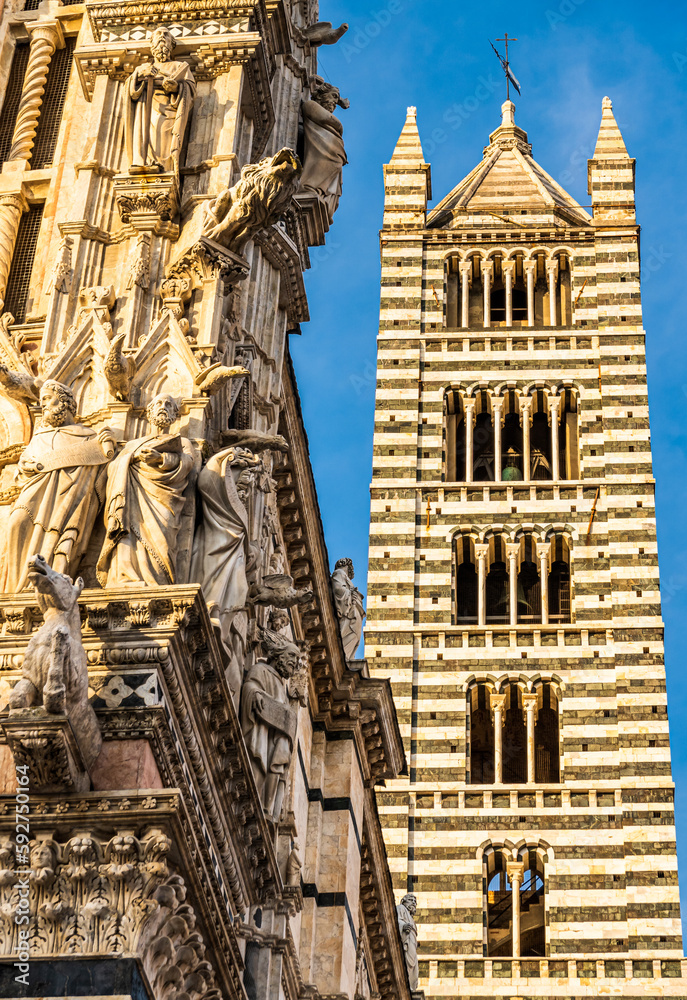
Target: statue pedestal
x=148, y=202
x=314, y=216
x=47, y=745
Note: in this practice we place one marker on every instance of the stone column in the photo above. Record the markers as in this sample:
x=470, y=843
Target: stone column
x=529, y=703
x=481, y=553
x=497, y=412
x=487, y=268
x=46, y=36
x=497, y=703
x=543, y=553
x=516, y=872
x=465, y=270
x=469, y=405
x=554, y=413
x=525, y=418
x=551, y=274
x=508, y=275
x=530, y=271
x=512, y=549
x=11, y=208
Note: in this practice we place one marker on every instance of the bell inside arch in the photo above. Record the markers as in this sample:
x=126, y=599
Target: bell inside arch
x=511, y=471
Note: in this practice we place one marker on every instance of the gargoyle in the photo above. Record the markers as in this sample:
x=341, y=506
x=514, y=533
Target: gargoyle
x=119, y=370
x=20, y=385
x=255, y=440
x=257, y=201
x=278, y=591
x=322, y=33
x=216, y=376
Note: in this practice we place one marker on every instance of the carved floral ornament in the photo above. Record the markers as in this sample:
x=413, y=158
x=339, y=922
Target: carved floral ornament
x=91, y=895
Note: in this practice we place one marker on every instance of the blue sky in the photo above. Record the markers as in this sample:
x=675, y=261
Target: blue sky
x=435, y=54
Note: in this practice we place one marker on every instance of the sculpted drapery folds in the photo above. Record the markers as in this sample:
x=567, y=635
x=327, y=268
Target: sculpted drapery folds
x=269, y=718
x=222, y=554
x=325, y=156
x=62, y=474
x=145, y=502
x=349, y=606
x=405, y=912
x=159, y=96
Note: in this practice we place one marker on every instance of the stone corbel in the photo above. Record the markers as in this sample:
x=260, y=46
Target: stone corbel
x=205, y=260
x=149, y=203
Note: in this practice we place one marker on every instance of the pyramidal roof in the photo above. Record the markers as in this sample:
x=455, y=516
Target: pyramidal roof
x=507, y=179
x=409, y=148
x=610, y=144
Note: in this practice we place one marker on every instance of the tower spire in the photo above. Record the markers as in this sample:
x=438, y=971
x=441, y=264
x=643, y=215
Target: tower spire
x=614, y=202
x=407, y=179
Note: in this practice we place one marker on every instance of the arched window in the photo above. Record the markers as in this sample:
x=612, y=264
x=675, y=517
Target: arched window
x=466, y=581
x=547, y=752
x=514, y=738
x=481, y=736
x=497, y=593
x=540, y=438
x=529, y=583
x=559, y=580
x=516, y=925
x=569, y=447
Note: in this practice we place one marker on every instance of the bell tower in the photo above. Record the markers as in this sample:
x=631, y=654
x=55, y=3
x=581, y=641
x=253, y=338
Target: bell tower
x=513, y=593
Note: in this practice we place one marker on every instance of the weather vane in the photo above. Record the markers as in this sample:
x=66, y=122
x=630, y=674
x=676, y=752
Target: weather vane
x=510, y=76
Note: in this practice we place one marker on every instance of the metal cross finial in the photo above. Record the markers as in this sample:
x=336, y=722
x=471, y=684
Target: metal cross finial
x=506, y=39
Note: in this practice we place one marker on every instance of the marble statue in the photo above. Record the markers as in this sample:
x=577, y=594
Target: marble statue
x=62, y=474
x=405, y=911
x=55, y=670
x=258, y=200
x=222, y=552
x=324, y=156
x=145, y=500
x=159, y=97
x=269, y=718
x=349, y=606
x=293, y=866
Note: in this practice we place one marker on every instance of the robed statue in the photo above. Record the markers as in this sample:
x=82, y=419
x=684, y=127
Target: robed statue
x=62, y=474
x=222, y=552
x=146, y=498
x=405, y=912
x=269, y=717
x=159, y=97
x=324, y=155
x=349, y=606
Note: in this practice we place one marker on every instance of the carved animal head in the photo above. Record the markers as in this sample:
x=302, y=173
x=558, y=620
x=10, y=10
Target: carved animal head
x=54, y=590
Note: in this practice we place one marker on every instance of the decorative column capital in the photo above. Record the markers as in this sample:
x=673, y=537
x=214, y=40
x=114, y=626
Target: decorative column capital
x=497, y=402
x=465, y=268
x=516, y=872
x=508, y=268
x=497, y=702
x=530, y=266
x=47, y=31
x=543, y=549
x=487, y=268
x=512, y=549
x=481, y=550
x=14, y=199
x=552, y=268
x=530, y=701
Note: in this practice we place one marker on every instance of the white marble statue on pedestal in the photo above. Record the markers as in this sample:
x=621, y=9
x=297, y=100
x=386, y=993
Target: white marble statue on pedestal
x=62, y=474
x=159, y=97
x=349, y=606
x=405, y=912
x=146, y=496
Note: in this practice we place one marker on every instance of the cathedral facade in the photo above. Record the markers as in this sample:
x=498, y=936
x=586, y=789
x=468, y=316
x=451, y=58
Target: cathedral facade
x=513, y=591
x=188, y=749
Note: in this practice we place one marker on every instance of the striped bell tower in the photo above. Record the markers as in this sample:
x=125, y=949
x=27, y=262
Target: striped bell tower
x=513, y=592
